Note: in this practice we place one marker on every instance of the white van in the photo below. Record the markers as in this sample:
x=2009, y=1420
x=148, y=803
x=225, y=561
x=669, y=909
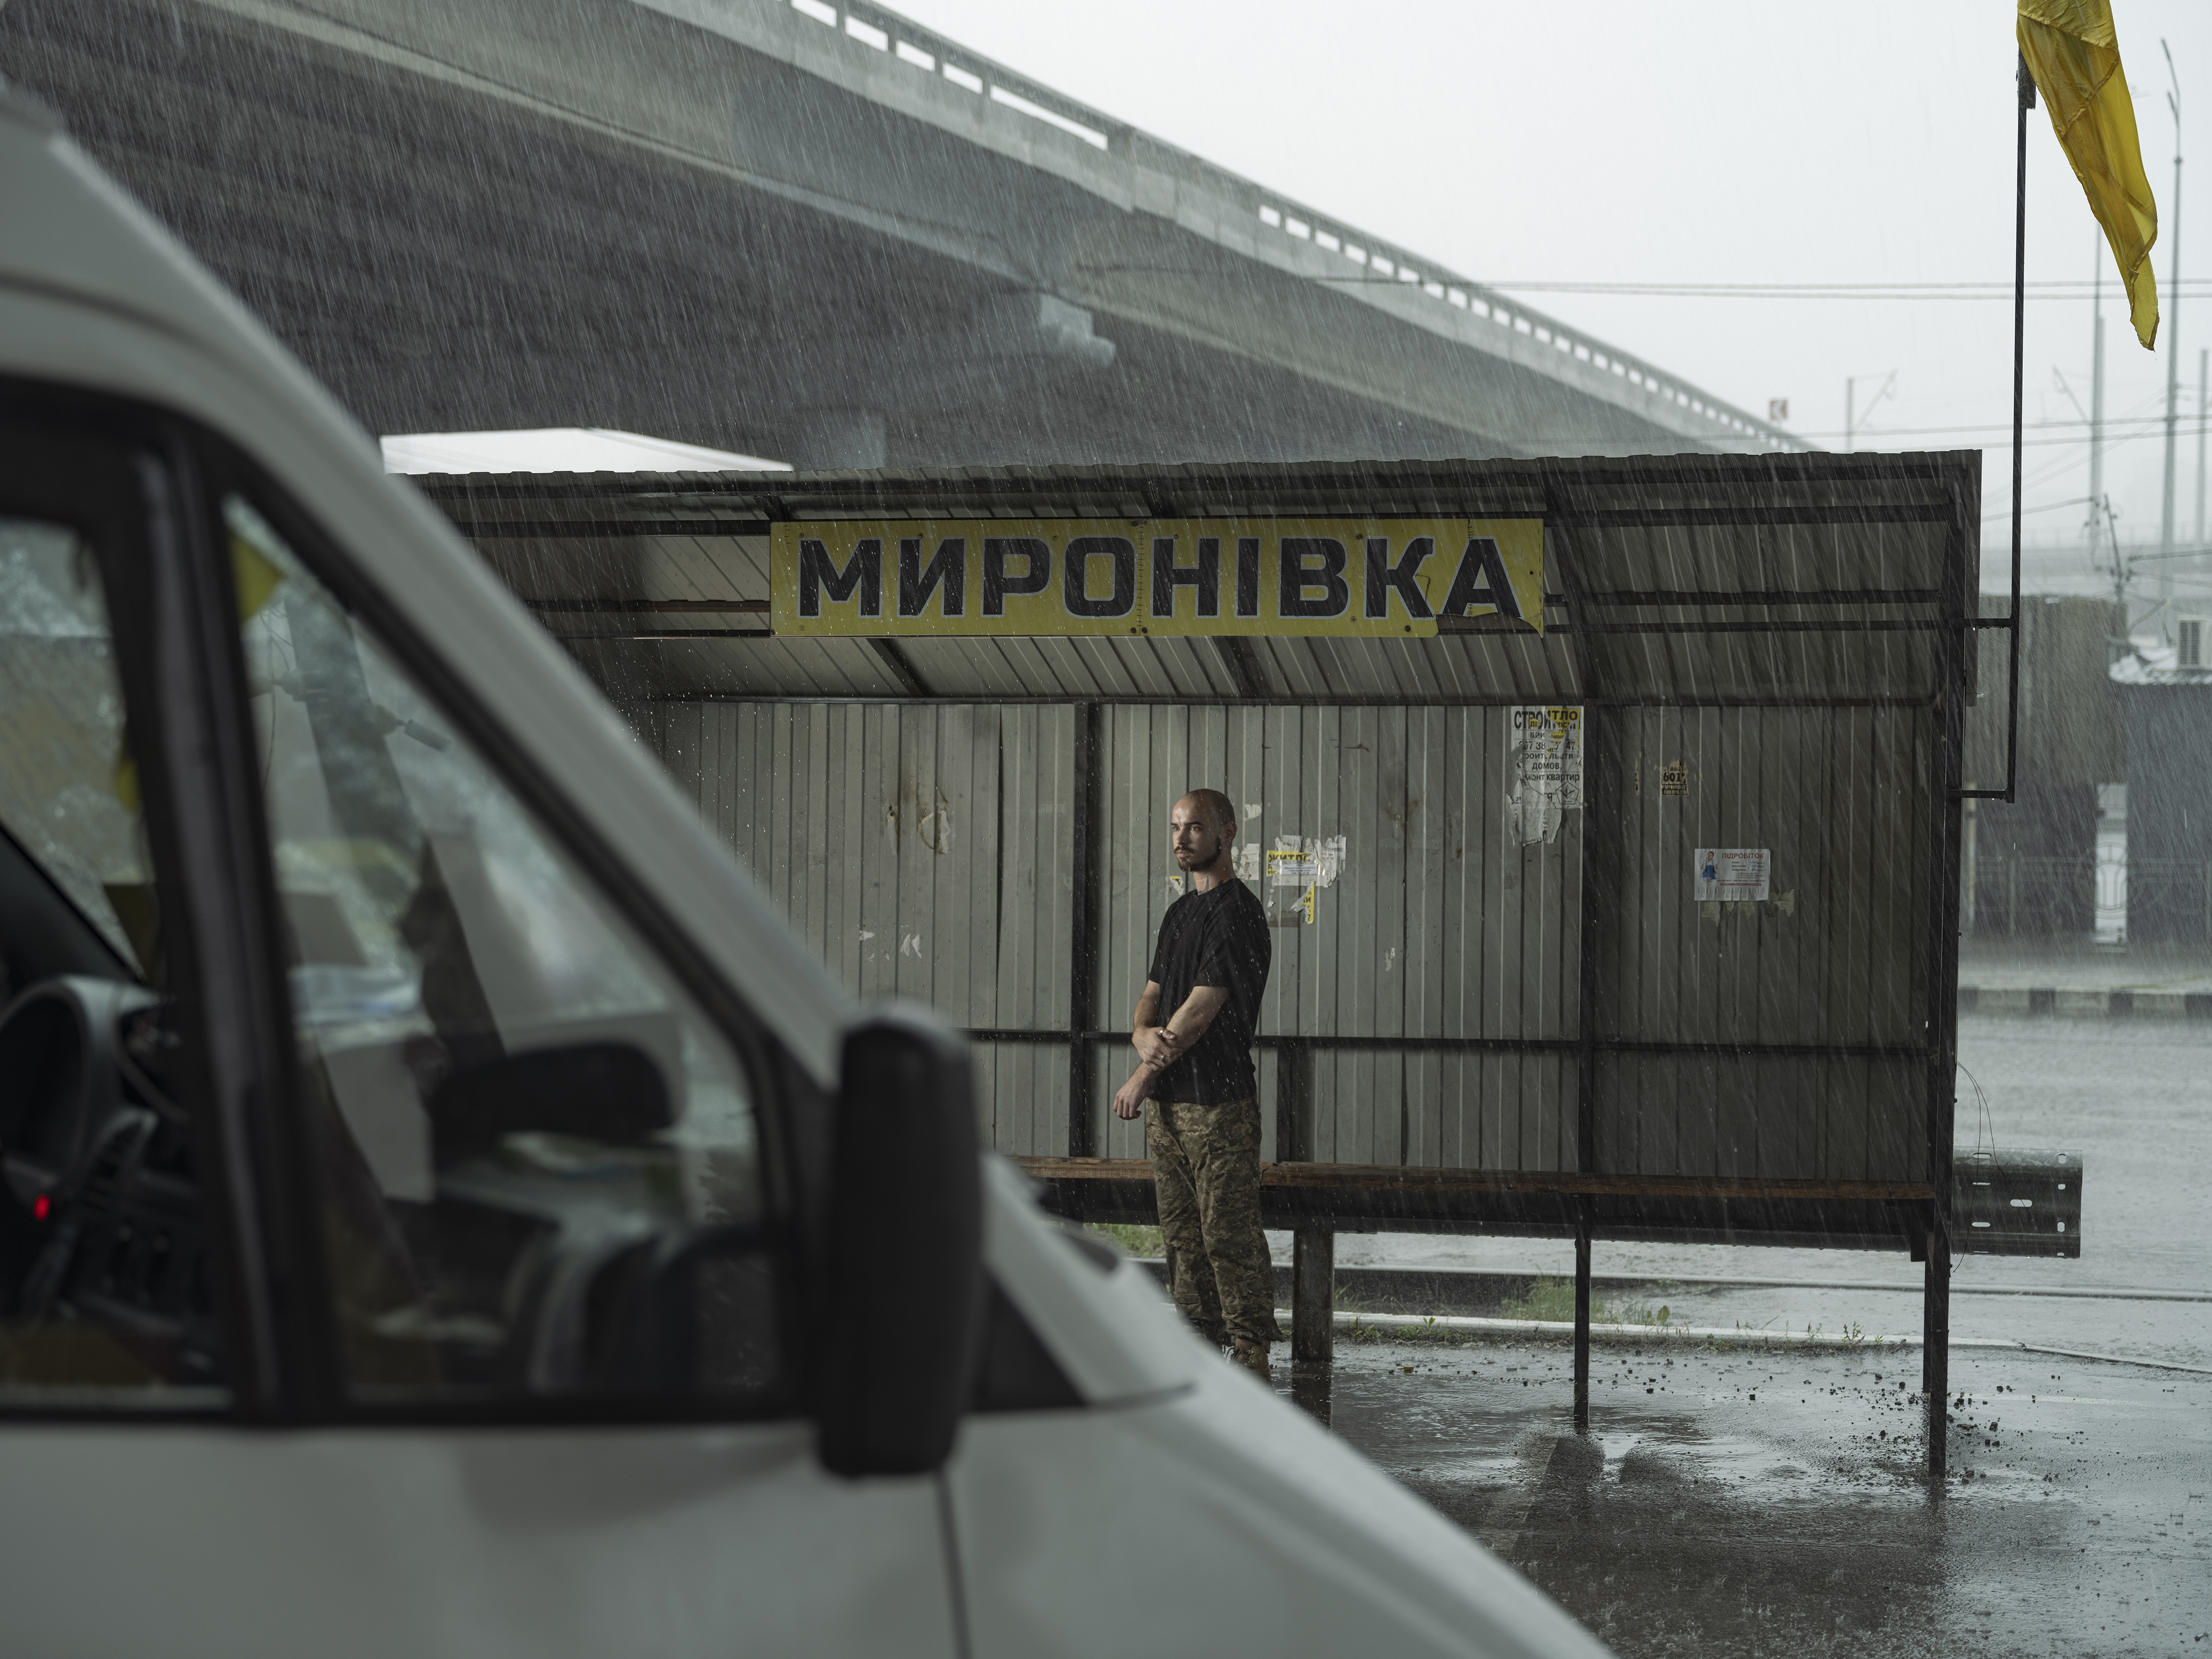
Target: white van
x=446, y=1212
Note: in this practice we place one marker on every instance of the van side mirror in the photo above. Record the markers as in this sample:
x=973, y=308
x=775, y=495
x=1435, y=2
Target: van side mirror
x=902, y=1293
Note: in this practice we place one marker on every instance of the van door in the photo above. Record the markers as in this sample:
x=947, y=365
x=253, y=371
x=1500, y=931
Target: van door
x=529, y=1370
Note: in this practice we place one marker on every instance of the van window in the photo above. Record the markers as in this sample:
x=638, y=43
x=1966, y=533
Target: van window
x=104, y=1298
x=68, y=791
x=539, y=1169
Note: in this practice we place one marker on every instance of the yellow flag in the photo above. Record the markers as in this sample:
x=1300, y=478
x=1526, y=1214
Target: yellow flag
x=2075, y=56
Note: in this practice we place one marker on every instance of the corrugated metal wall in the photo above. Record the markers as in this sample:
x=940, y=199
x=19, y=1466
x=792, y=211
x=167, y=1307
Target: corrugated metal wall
x=1440, y=925
x=923, y=852
x=1835, y=957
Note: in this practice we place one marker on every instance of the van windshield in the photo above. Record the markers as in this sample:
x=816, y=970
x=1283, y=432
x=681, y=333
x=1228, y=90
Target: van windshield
x=69, y=793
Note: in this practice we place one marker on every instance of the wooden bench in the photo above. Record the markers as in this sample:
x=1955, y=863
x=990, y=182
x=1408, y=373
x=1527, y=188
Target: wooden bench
x=2015, y=1204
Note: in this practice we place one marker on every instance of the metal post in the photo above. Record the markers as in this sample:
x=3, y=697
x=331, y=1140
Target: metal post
x=1084, y=860
x=1602, y=771
x=2171, y=324
x=1969, y=898
x=2204, y=411
x=1313, y=1297
x=1292, y=1062
x=1313, y=1250
x=2096, y=390
x=1582, y=1315
x=2018, y=383
x=1935, y=1337
x=1946, y=801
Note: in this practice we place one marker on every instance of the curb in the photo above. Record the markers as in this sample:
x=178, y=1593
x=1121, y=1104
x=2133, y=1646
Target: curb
x=1549, y=1331
x=1552, y=1330
x=2041, y=1001
x=1462, y=1292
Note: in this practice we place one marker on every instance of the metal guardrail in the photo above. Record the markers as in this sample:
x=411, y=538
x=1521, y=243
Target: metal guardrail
x=869, y=28
x=2041, y=893
x=2177, y=886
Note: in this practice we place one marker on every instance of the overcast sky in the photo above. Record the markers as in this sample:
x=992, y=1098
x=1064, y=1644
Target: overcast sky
x=1724, y=143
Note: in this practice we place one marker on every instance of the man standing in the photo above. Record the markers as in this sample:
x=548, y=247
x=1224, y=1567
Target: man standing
x=1195, y=1086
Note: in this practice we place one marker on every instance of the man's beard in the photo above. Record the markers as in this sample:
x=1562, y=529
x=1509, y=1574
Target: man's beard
x=1198, y=857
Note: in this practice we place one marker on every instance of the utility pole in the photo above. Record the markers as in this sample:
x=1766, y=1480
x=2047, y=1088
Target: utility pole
x=2204, y=411
x=2119, y=570
x=2096, y=391
x=2173, y=341
x=1851, y=402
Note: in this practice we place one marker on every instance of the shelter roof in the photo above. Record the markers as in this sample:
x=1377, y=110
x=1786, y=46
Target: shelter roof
x=1782, y=579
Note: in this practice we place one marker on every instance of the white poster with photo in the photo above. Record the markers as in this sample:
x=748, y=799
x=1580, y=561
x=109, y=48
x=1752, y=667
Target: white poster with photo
x=1731, y=873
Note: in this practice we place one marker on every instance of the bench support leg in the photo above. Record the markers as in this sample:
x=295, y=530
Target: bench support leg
x=1935, y=1346
x=1581, y=1320
x=1313, y=1297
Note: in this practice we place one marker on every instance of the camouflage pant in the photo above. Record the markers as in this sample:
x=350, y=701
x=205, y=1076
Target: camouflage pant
x=1206, y=1178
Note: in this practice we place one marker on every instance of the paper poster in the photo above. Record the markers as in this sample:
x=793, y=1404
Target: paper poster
x=1547, y=769
x=1731, y=873
x=1307, y=861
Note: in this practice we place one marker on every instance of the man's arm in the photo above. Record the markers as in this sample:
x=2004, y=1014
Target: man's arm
x=1162, y=1045
x=1145, y=1030
x=1189, y=1022
x=1145, y=1037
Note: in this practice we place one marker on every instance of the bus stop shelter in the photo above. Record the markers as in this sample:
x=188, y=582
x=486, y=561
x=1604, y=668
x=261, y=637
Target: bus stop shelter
x=1606, y=812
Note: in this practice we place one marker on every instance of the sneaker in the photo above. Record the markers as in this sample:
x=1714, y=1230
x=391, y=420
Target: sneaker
x=1253, y=1357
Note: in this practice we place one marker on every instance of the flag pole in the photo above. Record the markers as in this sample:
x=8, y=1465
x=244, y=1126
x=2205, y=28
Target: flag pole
x=2018, y=383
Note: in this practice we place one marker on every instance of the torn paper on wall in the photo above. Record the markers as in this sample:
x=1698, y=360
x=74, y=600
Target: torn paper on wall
x=1305, y=862
x=1246, y=860
x=1547, y=770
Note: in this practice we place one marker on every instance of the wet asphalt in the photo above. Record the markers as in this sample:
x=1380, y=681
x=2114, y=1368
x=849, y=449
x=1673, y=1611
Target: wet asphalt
x=1741, y=1501
x=1731, y=1499
x=2134, y=1099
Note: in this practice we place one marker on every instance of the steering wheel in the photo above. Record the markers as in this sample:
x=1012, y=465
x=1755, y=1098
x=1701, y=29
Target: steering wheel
x=99, y=1213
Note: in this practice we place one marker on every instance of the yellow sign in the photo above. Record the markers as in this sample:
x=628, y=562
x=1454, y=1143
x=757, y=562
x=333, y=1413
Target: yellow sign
x=1375, y=577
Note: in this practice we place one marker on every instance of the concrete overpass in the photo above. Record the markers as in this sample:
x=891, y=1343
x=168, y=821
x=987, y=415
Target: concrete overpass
x=821, y=234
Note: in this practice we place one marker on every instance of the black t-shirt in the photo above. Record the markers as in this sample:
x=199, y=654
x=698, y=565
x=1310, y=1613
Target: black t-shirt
x=1219, y=938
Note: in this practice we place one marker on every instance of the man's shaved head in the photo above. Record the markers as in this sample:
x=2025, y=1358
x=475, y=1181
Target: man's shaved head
x=1216, y=806
x=1200, y=830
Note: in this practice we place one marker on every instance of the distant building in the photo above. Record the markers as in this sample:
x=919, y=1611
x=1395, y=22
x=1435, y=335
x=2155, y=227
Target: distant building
x=2031, y=867
x=2166, y=695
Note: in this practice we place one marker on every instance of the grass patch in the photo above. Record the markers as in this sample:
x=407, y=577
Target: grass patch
x=1133, y=1240
x=1553, y=1300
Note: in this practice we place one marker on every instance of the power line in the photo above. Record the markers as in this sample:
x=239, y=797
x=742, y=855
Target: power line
x=1980, y=426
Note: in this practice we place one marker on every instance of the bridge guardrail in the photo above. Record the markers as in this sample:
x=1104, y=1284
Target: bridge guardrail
x=1370, y=258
